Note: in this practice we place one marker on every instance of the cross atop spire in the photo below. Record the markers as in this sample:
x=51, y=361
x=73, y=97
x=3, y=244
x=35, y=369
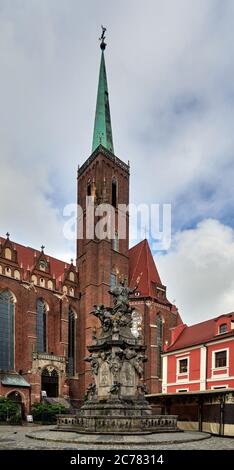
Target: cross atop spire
x=102, y=39
x=102, y=133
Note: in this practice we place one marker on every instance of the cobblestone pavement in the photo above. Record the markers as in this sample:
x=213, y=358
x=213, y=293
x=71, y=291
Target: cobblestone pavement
x=14, y=437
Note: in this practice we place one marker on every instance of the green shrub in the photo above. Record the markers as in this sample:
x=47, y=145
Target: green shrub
x=15, y=419
x=8, y=409
x=46, y=412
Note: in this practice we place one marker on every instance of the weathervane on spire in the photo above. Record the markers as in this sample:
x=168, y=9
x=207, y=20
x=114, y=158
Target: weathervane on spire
x=102, y=39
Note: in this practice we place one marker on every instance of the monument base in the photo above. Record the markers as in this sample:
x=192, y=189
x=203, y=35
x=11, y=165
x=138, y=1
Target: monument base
x=117, y=417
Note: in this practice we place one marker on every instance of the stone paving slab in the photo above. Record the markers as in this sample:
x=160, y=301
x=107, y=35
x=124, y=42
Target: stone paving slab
x=15, y=437
x=113, y=439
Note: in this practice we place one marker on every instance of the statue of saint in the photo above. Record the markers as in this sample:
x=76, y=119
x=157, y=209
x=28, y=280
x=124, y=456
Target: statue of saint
x=121, y=294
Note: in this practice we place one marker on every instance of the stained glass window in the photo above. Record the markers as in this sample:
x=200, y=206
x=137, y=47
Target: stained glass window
x=159, y=343
x=7, y=313
x=41, y=326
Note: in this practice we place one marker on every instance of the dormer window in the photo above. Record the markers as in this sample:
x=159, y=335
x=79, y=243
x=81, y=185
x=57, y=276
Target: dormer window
x=223, y=328
x=42, y=265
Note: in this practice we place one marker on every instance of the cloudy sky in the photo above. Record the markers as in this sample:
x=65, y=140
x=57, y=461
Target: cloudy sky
x=170, y=70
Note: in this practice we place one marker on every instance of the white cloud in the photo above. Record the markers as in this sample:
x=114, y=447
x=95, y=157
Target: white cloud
x=198, y=271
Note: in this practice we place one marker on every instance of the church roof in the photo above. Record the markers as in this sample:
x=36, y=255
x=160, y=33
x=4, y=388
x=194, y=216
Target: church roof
x=141, y=263
x=13, y=380
x=102, y=133
x=26, y=258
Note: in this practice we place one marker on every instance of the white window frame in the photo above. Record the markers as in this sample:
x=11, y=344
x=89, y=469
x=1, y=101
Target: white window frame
x=178, y=373
x=219, y=387
x=180, y=390
x=225, y=368
x=221, y=324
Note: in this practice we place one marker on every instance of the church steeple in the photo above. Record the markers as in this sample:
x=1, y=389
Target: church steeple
x=102, y=133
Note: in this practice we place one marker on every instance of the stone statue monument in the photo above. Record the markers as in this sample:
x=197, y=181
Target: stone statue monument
x=115, y=400
x=116, y=357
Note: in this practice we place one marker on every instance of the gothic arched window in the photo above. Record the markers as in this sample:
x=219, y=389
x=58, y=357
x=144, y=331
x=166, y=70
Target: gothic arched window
x=159, y=343
x=114, y=192
x=71, y=342
x=41, y=325
x=7, y=330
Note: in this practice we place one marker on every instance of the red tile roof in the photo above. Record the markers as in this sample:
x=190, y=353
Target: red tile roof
x=141, y=263
x=27, y=255
x=199, y=333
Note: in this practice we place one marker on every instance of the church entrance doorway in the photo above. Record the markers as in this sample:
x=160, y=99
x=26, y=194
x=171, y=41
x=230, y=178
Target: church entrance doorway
x=17, y=399
x=50, y=383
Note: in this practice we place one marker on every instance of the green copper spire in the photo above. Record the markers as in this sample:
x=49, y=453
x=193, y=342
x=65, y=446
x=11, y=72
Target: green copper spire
x=102, y=133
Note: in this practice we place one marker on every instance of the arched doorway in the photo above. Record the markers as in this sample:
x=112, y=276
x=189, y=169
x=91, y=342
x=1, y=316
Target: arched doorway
x=50, y=382
x=17, y=399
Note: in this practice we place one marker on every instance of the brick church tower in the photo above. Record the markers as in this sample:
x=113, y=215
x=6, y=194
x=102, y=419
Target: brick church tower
x=102, y=179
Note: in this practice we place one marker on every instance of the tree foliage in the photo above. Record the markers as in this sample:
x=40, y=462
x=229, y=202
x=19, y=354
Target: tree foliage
x=46, y=412
x=9, y=410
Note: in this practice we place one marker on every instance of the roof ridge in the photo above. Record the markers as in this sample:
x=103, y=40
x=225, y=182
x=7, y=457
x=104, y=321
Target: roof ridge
x=211, y=319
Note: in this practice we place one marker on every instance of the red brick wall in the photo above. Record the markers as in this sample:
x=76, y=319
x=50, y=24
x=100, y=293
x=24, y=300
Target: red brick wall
x=25, y=332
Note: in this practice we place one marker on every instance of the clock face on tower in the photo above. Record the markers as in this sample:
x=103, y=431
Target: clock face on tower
x=42, y=265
